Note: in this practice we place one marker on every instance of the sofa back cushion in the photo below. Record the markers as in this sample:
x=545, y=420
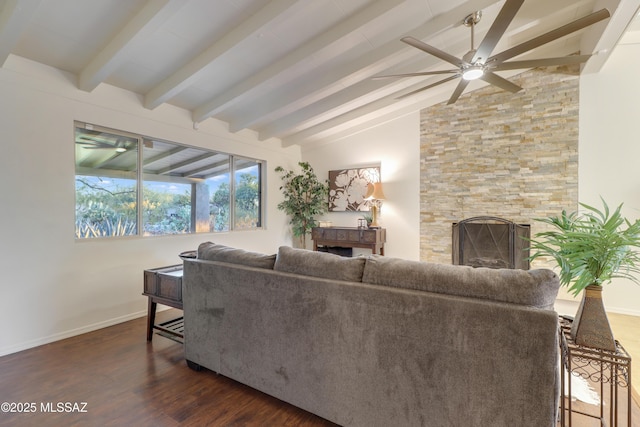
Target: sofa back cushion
x=319, y=264
x=213, y=252
x=537, y=288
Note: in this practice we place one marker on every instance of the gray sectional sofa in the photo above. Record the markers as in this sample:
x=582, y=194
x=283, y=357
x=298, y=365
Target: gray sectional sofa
x=377, y=341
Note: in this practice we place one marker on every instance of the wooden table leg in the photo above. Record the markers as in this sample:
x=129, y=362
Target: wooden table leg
x=151, y=318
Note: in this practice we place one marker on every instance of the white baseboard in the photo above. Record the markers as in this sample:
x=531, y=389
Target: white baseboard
x=566, y=307
x=626, y=311
x=72, y=333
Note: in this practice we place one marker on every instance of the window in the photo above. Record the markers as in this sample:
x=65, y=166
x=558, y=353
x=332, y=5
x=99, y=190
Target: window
x=129, y=185
x=246, y=194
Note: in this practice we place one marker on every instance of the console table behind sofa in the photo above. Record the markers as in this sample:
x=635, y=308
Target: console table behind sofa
x=350, y=237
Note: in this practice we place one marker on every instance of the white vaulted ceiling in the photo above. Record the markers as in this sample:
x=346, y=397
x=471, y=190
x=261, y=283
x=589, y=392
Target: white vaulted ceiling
x=297, y=70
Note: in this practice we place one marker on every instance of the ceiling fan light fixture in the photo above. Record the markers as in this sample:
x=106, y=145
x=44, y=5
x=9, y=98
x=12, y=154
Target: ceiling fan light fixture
x=476, y=62
x=473, y=72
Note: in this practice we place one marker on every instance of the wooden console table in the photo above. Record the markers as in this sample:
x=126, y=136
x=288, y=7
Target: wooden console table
x=350, y=237
x=164, y=286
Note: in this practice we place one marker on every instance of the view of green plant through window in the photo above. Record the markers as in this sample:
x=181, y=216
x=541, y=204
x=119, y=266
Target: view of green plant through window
x=134, y=185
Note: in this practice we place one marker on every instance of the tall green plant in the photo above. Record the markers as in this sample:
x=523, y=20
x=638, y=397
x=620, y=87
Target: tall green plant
x=590, y=248
x=305, y=197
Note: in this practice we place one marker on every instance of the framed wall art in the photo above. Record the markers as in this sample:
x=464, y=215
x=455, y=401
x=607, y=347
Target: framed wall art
x=348, y=187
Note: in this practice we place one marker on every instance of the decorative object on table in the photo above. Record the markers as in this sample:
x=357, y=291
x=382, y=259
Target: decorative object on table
x=362, y=223
x=375, y=196
x=591, y=248
x=368, y=218
x=348, y=188
x=305, y=197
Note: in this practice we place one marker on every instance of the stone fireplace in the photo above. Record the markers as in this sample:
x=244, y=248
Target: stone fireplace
x=490, y=242
x=494, y=153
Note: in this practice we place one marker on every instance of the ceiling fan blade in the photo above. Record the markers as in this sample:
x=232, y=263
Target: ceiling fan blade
x=434, y=51
x=424, y=73
x=462, y=85
x=448, y=79
x=498, y=28
x=550, y=36
x=501, y=82
x=96, y=138
x=94, y=144
x=545, y=62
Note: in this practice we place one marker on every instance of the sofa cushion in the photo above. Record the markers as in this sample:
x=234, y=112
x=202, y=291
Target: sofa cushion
x=213, y=252
x=319, y=264
x=537, y=288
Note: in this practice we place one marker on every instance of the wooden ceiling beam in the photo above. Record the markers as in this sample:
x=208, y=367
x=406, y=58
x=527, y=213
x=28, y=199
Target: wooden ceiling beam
x=189, y=73
x=117, y=51
x=15, y=16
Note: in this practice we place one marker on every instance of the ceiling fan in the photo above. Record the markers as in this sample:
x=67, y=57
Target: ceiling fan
x=120, y=144
x=479, y=64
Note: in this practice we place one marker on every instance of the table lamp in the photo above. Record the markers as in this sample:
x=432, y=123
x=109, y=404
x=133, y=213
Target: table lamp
x=374, y=196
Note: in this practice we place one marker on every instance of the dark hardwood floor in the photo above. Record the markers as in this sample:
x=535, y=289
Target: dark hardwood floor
x=126, y=381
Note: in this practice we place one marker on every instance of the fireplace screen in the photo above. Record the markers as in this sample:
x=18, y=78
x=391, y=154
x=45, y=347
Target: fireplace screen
x=490, y=242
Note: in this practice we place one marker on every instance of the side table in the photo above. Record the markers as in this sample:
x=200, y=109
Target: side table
x=164, y=286
x=610, y=370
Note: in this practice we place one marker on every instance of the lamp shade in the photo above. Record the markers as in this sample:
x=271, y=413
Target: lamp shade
x=374, y=192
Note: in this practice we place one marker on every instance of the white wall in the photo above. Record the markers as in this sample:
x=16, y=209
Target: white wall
x=52, y=286
x=395, y=147
x=609, y=151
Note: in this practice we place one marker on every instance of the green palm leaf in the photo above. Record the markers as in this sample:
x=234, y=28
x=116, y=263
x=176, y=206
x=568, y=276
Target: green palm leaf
x=590, y=248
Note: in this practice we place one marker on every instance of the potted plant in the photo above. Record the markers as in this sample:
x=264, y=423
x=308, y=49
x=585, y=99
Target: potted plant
x=591, y=248
x=369, y=218
x=305, y=197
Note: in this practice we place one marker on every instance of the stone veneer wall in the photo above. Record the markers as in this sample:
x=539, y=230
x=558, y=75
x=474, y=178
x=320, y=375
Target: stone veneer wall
x=513, y=156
